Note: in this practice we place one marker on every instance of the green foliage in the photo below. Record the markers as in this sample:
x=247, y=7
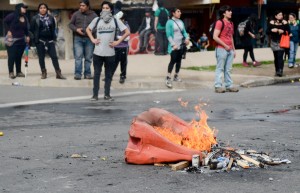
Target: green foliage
x=2, y=46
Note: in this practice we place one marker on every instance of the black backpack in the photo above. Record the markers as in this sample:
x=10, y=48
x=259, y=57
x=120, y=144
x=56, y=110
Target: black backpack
x=212, y=28
x=163, y=17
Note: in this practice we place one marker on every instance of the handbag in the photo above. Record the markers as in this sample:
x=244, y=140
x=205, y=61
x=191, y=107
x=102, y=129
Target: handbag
x=183, y=47
x=285, y=41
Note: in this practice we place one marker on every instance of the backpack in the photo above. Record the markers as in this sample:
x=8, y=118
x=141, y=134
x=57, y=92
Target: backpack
x=163, y=17
x=212, y=27
x=241, y=28
x=94, y=30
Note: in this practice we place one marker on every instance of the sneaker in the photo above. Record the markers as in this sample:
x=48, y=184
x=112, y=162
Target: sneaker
x=88, y=77
x=291, y=65
x=77, y=77
x=245, y=64
x=169, y=82
x=20, y=74
x=255, y=63
x=11, y=75
x=108, y=98
x=296, y=65
x=122, y=80
x=232, y=89
x=176, y=78
x=219, y=90
x=94, y=98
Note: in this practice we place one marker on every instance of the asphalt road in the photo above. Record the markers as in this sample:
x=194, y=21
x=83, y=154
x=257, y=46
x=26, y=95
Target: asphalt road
x=40, y=138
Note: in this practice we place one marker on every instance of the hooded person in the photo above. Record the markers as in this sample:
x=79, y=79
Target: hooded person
x=17, y=33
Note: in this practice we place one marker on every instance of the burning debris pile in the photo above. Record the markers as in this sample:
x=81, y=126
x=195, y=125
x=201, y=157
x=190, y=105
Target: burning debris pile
x=159, y=137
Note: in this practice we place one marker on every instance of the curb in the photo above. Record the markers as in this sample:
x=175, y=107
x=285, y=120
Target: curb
x=265, y=81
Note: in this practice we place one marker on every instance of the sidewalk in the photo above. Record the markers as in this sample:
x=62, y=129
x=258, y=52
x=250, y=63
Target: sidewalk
x=147, y=71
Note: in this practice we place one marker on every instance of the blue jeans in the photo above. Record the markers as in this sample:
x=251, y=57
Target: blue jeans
x=83, y=49
x=224, y=66
x=108, y=62
x=293, y=51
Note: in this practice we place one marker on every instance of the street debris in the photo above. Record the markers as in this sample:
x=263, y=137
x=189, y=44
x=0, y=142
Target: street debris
x=1, y=133
x=159, y=137
x=75, y=155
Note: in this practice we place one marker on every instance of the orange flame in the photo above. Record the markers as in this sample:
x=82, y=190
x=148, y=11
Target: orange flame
x=198, y=135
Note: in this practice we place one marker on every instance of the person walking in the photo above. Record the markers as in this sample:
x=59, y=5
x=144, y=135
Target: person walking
x=83, y=47
x=17, y=27
x=247, y=40
x=42, y=27
x=177, y=37
x=106, y=28
x=276, y=27
x=294, y=41
x=161, y=18
x=145, y=29
x=121, y=53
x=225, y=50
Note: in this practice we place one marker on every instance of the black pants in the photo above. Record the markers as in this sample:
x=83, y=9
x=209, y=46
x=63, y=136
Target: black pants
x=98, y=62
x=278, y=60
x=120, y=57
x=176, y=57
x=15, y=53
x=161, y=42
x=250, y=50
x=41, y=51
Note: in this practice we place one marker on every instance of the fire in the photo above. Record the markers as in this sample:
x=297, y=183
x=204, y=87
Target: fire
x=198, y=135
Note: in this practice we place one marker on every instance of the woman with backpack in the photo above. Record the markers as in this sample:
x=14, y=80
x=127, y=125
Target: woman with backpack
x=277, y=26
x=247, y=40
x=177, y=38
x=295, y=38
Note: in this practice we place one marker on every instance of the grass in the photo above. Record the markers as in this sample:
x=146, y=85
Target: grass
x=2, y=46
x=213, y=67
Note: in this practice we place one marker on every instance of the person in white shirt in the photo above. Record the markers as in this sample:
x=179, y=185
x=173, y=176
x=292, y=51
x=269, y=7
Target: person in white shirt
x=145, y=29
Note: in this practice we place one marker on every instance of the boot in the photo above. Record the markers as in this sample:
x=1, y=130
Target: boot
x=44, y=74
x=59, y=75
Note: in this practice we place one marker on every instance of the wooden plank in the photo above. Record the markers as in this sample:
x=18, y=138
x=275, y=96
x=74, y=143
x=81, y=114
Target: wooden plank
x=160, y=164
x=229, y=165
x=249, y=159
x=242, y=164
x=180, y=165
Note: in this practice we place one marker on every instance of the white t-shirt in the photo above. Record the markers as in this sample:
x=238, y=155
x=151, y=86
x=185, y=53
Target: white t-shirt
x=148, y=19
x=106, y=35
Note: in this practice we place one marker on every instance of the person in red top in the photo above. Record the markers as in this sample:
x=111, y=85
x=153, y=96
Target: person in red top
x=225, y=50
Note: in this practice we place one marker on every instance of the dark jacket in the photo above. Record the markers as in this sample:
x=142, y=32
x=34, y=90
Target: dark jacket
x=247, y=39
x=81, y=20
x=144, y=24
x=35, y=28
x=18, y=29
x=276, y=36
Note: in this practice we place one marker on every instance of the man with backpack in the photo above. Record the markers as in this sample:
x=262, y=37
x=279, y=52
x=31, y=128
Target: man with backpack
x=225, y=50
x=161, y=18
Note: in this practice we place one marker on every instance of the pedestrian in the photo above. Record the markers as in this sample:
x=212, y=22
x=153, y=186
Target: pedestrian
x=161, y=18
x=276, y=27
x=145, y=29
x=83, y=47
x=294, y=41
x=203, y=43
x=17, y=36
x=247, y=40
x=121, y=53
x=177, y=37
x=106, y=28
x=42, y=27
x=225, y=50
